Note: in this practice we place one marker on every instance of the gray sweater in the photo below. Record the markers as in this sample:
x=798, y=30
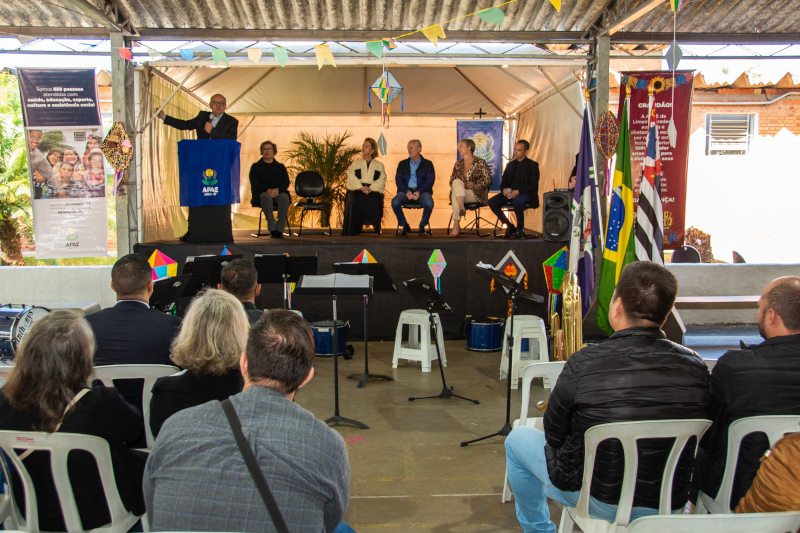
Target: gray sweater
x=196, y=478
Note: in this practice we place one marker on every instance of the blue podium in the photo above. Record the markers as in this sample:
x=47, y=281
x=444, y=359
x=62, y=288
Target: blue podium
x=209, y=183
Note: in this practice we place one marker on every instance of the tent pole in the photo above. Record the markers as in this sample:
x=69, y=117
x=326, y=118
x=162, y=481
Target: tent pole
x=251, y=87
x=163, y=105
x=564, y=96
x=466, y=79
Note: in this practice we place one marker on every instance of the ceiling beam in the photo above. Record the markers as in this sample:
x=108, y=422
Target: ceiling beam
x=633, y=16
x=636, y=37
x=96, y=15
x=466, y=79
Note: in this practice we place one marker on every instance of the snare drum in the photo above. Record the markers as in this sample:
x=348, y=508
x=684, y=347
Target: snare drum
x=485, y=335
x=15, y=322
x=323, y=340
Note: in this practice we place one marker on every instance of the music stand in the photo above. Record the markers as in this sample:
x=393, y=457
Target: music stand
x=205, y=271
x=423, y=292
x=281, y=268
x=514, y=290
x=381, y=282
x=336, y=286
x=167, y=292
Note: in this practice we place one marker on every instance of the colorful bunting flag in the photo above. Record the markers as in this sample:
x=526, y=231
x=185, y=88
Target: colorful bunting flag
x=163, y=266
x=254, y=54
x=556, y=4
x=375, y=48
x=281, y=55
x=225, y=250
x=188, y=55
x=555, y=267
x=437, y=264
x=324, y=53
x=155, y=55
x=389, y=43
x=433, y=33
x=125, y=53
x=364, y=257
x=219, y=56
x=493, y=15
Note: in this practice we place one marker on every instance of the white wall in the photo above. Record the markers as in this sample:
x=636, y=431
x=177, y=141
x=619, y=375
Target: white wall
x=45, y=284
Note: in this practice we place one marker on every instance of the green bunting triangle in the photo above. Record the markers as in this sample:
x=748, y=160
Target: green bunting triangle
x=493, y=15
x=219, y=56
x=375, y=48
x=281, y=55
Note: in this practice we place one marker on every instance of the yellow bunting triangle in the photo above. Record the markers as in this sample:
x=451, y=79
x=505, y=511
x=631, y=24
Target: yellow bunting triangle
x=433, y=33
x=254, y=54
x=324, y=53
x=556, y=4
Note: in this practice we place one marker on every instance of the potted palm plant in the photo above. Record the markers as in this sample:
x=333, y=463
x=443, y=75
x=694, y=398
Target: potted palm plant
x=329, y=156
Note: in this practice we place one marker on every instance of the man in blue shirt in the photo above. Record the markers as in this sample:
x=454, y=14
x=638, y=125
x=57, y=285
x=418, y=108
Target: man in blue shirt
x=414, y=178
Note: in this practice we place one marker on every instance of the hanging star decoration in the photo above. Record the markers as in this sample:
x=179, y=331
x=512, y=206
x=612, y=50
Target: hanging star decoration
x=117, y=149
x=555, y=267
x=437, y=264
x=163, y=266
x=386, y=88
x=606, y=134
x=364, y=257
x=382, y=146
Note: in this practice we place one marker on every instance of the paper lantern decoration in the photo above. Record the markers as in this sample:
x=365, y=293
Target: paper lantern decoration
x=512, y=267
x=163, y=266
x=117, y=149
x=386, y=88
x=364, y=257
x=606, y=134
x=555, y=267
x=437, y=264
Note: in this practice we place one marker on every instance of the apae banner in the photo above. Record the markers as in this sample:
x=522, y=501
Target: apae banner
x=488, y=138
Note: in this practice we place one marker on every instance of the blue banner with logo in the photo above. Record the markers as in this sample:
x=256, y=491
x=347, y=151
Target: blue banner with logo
x=488, y=138
x=209, y=172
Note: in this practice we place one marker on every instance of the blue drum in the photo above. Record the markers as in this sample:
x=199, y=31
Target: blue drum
x=15, y=322
x=323, y=340
x=485, y=334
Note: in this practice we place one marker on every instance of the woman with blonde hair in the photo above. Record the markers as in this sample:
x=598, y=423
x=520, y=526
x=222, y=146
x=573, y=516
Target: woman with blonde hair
x=469, y=182
x=48, y=390
x=366, y=179
x=213, y=336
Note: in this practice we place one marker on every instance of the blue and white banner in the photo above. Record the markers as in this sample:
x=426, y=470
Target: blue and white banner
x=488, y=138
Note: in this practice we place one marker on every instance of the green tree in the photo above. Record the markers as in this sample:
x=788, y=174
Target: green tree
x=329, y=156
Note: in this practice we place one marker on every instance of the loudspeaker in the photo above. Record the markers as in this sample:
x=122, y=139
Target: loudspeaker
x=556, y=216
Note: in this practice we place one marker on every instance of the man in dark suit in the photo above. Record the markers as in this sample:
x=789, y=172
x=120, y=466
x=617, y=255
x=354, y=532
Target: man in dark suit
x=130, y=333
x=519, y=186
x=240, y=278
x=414, y=178
x=213, y=125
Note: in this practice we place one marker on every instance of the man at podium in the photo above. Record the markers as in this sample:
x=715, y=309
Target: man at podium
x=214, y=125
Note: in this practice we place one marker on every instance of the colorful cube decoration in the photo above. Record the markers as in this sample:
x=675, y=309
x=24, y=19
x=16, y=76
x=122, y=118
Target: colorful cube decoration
x=555, y=267
x=364, y=257
x=163, y=266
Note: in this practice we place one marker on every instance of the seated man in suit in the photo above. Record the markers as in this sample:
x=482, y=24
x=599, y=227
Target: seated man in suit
x=758, y=380
x=414, y=178
x=519, y=186
x=130, y=333
x=240, y=278
x=214, y=125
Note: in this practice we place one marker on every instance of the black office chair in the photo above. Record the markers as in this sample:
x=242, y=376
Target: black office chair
x=475, y=224
x=508, y=208
x=274, y=209
x=309, y=185
x=415, y=205
x=737, y=257
x=688, y=254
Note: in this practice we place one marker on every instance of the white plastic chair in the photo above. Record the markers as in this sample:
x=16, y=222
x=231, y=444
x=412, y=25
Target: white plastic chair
x=628, y=433
x=525, y=327
x=775, y=427
x=59, y=445
x=419, y=346
x=549, y=373
x=149, y=373
x=738, y=523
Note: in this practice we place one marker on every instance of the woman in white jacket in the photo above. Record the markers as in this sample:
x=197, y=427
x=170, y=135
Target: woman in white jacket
x=366, y=179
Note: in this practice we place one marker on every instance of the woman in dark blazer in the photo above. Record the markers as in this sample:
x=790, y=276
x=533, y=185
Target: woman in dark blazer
x=212, y=338
x=366, y=180
x=48, y=391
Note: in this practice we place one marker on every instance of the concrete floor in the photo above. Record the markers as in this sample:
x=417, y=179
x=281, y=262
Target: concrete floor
x=409, y=472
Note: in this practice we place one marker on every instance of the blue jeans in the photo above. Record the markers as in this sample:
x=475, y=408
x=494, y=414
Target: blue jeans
x=527, y=475
x=400, y=200
x=343, y=528
x=499, y=200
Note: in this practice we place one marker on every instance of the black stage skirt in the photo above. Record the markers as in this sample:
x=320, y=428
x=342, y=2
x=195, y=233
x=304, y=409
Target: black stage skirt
x=360, y=209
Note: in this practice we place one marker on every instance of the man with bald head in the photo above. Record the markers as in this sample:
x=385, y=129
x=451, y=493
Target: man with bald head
x=214, y=125
x=758, y=380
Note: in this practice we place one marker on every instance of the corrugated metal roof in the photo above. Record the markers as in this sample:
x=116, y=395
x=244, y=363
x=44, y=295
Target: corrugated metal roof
x=396, y=16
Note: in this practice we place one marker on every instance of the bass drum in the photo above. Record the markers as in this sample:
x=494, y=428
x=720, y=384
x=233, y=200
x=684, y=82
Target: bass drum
x=15, y=323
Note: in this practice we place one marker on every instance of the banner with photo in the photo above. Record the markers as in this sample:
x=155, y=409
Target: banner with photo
x=66, y=164
x=488, y=138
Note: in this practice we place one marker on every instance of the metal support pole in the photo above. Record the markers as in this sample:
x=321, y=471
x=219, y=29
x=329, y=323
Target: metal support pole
x=122, y=98
x=601, y=106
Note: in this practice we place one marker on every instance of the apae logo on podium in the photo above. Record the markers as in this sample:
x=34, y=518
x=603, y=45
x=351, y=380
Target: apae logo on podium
x=209, y=179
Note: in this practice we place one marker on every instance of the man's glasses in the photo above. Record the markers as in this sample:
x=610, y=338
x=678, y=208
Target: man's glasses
x=268, y=149
x=217, y=103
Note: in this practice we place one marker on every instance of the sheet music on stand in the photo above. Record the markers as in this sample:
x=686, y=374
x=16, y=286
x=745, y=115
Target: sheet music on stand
x=205, y=271
x=382, y=281
x=167, y=292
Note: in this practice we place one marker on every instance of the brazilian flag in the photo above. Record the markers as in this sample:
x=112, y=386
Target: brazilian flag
x=619, y=248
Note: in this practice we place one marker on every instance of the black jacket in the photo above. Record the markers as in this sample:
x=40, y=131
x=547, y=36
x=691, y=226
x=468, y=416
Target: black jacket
x=102, y=413
x=530, y=169
x=265, y=176
x=426, y=175
x=227, y=127
x=254, y=314
x=636, y=375
x=759, y=380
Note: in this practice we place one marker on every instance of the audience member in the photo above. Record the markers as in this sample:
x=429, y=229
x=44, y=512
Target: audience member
x=754, y=381
x=212, y=338
x=303, y=460
x=48, y=391
x=240, y=278
x=636, y=375
x=130, y=333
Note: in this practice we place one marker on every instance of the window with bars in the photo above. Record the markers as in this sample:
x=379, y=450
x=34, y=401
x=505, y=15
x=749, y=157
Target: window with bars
x=729, y=134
